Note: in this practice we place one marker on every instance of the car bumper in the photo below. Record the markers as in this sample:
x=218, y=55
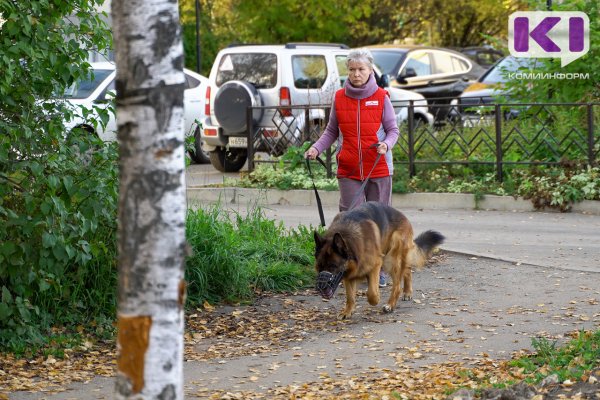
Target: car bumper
x=285, y=131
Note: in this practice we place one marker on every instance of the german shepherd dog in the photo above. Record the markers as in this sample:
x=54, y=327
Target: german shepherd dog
x=362, y=241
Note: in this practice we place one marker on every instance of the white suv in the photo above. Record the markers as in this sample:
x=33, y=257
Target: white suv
x=273, y=80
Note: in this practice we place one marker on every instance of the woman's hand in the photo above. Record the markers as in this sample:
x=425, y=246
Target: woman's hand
x=311, y=153
x=382, y=148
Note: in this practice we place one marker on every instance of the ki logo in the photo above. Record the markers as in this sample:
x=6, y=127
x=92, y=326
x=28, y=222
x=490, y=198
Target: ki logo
x=558, y=34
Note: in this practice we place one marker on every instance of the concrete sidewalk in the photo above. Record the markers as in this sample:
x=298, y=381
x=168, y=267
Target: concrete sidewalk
x=510, y=231
x=507, y=276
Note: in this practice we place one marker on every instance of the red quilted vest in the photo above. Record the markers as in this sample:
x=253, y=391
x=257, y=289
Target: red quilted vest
x=358, y=121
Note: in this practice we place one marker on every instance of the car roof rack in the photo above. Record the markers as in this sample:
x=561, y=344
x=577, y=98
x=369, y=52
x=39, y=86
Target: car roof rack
x=293, y=45
x=236, y=44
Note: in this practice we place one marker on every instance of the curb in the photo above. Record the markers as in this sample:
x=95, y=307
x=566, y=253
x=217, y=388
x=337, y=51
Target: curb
x=436, y=201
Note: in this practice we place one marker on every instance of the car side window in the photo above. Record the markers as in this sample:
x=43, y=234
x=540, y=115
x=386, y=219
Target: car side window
x=460, y=65
x=108, y=93
x=191, y=82
x=85, y=87
x=420, y=63
x=342, y=67
x=444, y=63
x=310, y=71
x=259, y=69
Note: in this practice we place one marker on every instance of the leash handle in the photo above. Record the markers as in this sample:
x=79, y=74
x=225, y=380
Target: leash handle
x=319, y=205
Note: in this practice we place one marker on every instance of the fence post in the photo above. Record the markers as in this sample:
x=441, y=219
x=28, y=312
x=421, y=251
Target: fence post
x=306, y=132
x=250, y=128
x=590, y=134
x=411, y=139
x=498, y=115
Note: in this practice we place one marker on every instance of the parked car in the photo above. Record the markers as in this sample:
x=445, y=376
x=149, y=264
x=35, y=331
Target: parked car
x=486, y=56
x=402, y=99
x=438, y=74
x=472, y=108
x=99, y=92
x=279, y=78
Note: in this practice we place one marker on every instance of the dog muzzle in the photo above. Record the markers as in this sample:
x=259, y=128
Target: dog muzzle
x=327, y=283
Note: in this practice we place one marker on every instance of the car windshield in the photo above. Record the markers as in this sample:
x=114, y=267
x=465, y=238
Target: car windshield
x=388, y=61
x=259, y=69
x=499, y=72
x=83, y=89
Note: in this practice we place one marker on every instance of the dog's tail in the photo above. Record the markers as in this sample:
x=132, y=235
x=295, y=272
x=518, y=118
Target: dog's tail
x=425, y=244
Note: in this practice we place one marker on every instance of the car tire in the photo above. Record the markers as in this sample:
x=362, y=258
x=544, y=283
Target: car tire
x=197, y=155
x=420, y=122
x=232, y=100
x=231, y=160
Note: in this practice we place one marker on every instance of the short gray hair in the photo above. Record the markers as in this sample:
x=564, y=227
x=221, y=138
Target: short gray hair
x=360, y=55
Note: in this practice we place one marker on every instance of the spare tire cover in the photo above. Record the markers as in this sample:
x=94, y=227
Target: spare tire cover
x=232, y=100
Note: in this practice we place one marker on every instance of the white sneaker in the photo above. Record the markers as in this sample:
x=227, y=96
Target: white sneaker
x=382, y=281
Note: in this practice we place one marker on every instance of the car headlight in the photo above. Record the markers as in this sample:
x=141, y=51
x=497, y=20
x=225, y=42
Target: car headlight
x=454, y=102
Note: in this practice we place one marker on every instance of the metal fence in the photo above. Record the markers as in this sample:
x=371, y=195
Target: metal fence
x=474, y=132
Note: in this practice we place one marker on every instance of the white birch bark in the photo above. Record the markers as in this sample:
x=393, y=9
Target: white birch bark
x=152, y=205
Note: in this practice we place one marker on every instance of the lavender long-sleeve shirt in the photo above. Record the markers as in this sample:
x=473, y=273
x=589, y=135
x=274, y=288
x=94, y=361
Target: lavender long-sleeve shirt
x=388, y=121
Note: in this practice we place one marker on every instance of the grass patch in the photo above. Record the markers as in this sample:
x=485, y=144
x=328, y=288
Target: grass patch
x=570, y=361
x=237, y=256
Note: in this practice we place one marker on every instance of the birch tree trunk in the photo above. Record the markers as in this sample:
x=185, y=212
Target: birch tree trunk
x=152, y=204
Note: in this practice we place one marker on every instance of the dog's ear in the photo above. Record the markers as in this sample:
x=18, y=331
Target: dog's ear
x=319, y=242
x=339, y=246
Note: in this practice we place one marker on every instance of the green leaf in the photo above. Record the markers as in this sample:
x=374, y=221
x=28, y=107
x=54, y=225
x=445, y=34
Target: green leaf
x=59, y=252
x=46, y=208
x=68, y=184
x=5, y=311
x=7, y=248
x=24, y=312
x=44, y=285
x=53, y=182
x=6, y=296
x=48, y=239
x=36, y=168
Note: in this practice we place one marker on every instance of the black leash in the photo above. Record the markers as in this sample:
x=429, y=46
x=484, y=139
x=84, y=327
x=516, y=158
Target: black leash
x=360, y=191
x=319, y=205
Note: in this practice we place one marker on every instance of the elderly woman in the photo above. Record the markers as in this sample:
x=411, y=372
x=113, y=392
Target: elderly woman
x=363, y=120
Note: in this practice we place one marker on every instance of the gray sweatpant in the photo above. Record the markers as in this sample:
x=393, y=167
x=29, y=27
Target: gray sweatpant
x=377, y=189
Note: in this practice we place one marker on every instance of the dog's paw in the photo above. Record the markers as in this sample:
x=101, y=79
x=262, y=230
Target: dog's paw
x=406, y=297
x=387, y=309
x=342, y=316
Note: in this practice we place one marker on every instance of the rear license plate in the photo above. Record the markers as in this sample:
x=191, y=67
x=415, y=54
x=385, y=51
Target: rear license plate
x=238, y=141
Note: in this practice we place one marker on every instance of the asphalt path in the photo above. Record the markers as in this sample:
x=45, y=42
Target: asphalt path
x=502, y=279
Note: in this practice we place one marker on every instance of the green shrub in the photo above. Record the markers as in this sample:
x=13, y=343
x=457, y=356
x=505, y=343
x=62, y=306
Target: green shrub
x=57, y=187
x=274, y=176
x=58, y=250
x=559, y=187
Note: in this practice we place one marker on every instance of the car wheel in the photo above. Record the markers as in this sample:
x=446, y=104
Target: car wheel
x=231, y=102
x=231, y=160
x=197, y=155
x=420, y=122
